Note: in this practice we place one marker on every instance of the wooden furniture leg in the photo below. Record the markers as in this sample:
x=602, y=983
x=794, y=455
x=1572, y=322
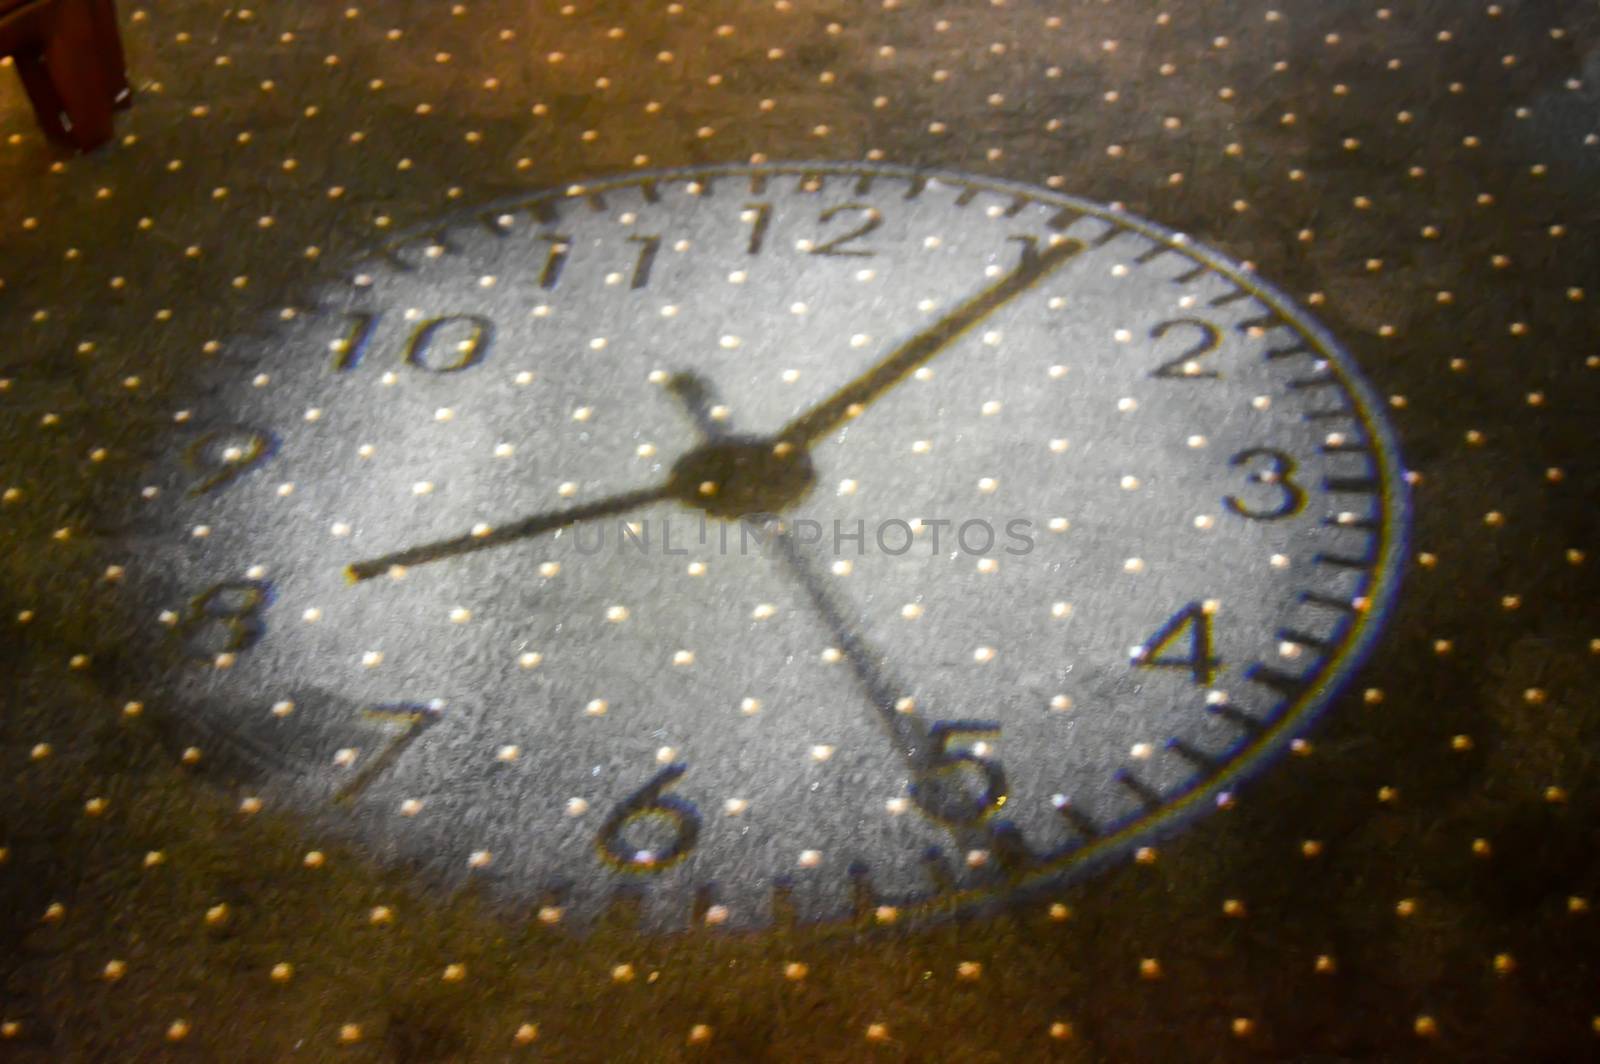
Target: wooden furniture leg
x=69, y=56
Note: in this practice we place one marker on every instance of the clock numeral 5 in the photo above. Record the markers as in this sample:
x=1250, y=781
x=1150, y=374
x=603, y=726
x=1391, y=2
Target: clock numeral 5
x=1278, y=476
x=671, y=824
x=1193, y=621
x=226, y=619
x=961, y=786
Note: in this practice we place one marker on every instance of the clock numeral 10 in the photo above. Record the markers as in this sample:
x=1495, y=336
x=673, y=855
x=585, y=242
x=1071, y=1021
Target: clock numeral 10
x=446, y=344
x=675, y=824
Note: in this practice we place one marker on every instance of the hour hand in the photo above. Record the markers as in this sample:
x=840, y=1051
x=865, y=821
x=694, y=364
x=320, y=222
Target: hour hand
x=533, y=525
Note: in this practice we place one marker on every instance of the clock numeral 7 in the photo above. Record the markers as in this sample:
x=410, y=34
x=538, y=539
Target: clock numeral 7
x=961, y=786
x=672, y=826
x=414, y=719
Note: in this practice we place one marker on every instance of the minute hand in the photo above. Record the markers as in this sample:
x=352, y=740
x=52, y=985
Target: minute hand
x=912, y=353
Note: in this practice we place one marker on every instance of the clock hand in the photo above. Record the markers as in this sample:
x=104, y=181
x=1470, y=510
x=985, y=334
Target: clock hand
x=959, y=789
x=908, y=355
x=534, y=525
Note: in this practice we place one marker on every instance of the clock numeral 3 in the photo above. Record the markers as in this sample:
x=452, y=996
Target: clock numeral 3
x=222, y=455
x=1278, y=476
x=226, y=619
x=960, y=786
x=1187, y=365
x=670, y=826
x=1195, y=622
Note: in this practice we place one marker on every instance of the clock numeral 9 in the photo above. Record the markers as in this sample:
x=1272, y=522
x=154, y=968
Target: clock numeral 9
x=960, y=786
x=226, y=619
x=1278, y=477
x=224, y=454
x=670, y=827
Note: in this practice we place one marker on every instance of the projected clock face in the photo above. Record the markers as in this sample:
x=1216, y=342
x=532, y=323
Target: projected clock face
x=1063, y=522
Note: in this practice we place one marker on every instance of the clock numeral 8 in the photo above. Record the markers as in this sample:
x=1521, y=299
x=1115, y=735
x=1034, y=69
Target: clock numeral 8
x=226, y=619
x=669, y=826
x=1278, y=475
x=959, y=786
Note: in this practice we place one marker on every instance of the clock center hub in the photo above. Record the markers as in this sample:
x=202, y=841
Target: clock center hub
x=741, y=475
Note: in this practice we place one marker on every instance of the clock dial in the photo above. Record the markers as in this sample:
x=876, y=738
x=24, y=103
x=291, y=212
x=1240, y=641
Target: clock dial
x=770, y=538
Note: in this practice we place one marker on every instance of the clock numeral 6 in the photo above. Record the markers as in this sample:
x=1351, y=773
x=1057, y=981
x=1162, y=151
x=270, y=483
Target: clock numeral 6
x=226, y=619
x=960, y=786
x=1277, y=476
x=650, y=830
x=224, y=454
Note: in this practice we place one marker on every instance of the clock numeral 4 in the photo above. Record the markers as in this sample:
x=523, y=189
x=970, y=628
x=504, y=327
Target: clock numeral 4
x=1277, y=477
x=961, y=786
x=1191, y=622
x=650, y=830
x=225, y=619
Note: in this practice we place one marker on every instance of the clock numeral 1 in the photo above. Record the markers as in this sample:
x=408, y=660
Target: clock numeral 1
x=759, y=215
x=648, y=247
x=652, y=803
x=1193, y=621
x=960, y=786
x=556, y=260
x=351, y=348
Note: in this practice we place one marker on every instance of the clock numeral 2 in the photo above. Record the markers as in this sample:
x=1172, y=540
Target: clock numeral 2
x=1199, y=663
x=226, y=619
x=651, y=802
x=960, y=786
x=1187, y=365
